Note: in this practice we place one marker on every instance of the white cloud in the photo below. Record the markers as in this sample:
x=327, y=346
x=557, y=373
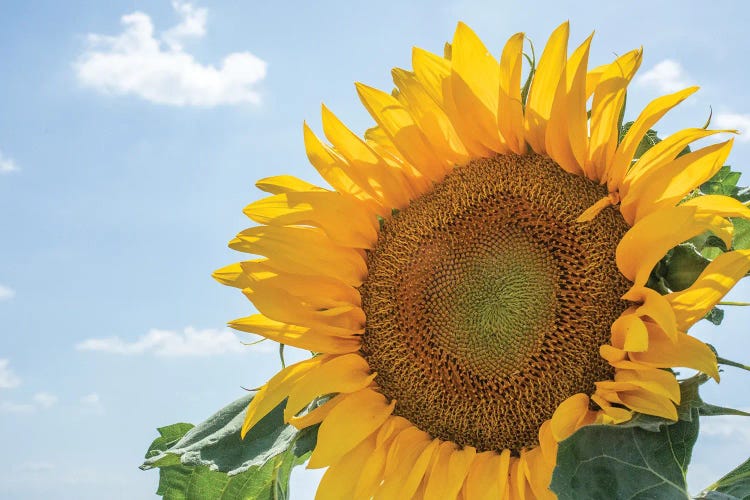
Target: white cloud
x=11, y=407
x=735, y=121
x=6, y=293
x=45, y=400
x=727, y=426
x=8, y=379
x=91, y=404
x=667, y=76
x=193, y=25
x=7, y=165
x=170, y=343
x=159, y=70
x=34, y=467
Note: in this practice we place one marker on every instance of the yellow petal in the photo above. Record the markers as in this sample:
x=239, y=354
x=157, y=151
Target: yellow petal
x=340, y=480
x=629, y=333
x=277, y=389
x=595, y=209
x=316, y=339
x=567, y=131
x=475, y=86
x=655, y=306
x=719, y=205
x=539, y=474
x=522, y=486
x=567, y=415
x=448, y=471
x=431, y=70
x=685, y=351
x=592, y=79
x=542, y=91
x=651, y=114
x=431, y=118
x=415, y=448
x=609, y=98
x=650, y=239
x=644, y=401
x=665, y=186
x=286, y=184
x=484, y=477
x=339, y=174
x=343, y=374
x=510, y=108
x=302, y=251
x=388, y=183
x=317, y=415
x=346, y=221
x=437, y=478
x=662, y=153
x=339, y=432
x=613, y=414
x=653, y=380
x=319, y=291
x=400, y=127
x=693, y=303
x=280, y=305
x=231, y=275
x=371, y=474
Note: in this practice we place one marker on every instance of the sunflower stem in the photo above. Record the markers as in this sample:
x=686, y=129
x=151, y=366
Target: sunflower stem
x=729, y=303
x=281, y=356
x=254, y=342
x=728, y=362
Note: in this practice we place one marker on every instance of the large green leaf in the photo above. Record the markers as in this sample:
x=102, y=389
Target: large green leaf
x=684, y=265
x=735, y=485
x=211, y=461
x=619, y=462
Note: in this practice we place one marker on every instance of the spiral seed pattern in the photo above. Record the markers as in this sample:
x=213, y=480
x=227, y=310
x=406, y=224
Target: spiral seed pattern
x=486, y=302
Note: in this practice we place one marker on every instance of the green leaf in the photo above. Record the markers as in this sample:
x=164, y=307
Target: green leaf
x=736, y=484
x=644, y=458
x=216, y=443
x=211, y=461
x=741, y=240
x=649, y=140
x=709, y=410
x=729, y=362
x=168, y=436
x=684, y=266
x=715, y=316
x=613, y=461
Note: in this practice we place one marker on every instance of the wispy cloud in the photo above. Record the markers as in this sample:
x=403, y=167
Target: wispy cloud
x=735, y=121
x=45, y=400
x=193, y=25
x=7, y=165
x=8, y=379
x=170, y=343
x=12, y=407
x=91, y=404
x=158, y=69
x=727, y=426
x=6, y=293
x=34, y=466
x=40, y=401
x=667, y=76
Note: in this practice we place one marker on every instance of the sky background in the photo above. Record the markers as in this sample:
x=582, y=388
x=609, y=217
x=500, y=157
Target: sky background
x=131, y=134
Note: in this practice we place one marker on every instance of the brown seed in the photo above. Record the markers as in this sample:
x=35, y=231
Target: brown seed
x=486, y=302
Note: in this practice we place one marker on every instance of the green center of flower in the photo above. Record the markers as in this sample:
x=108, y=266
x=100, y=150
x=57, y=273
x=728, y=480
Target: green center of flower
x=486, y=302
x=490, y=305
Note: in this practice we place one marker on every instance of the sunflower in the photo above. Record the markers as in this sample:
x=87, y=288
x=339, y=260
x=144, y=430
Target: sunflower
x=474, y=288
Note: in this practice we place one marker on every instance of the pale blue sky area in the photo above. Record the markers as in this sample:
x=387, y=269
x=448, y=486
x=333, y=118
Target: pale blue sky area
x=126, y=159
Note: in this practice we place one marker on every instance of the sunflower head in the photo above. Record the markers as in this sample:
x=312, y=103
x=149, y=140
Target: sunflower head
x=474, y=285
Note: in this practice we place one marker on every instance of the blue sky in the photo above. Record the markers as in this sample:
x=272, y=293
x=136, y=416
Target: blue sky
x=127, y=155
